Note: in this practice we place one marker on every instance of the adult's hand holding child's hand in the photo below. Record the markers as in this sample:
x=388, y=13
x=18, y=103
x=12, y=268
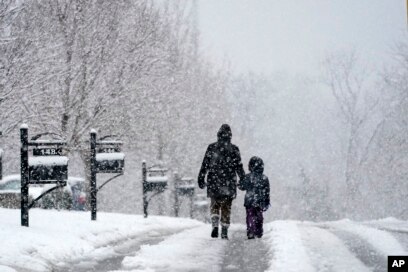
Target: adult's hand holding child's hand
x=201, y=183
x=264, y=209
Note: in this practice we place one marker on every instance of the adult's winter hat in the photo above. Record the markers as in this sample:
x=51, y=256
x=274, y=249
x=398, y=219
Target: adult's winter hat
x=224, y=133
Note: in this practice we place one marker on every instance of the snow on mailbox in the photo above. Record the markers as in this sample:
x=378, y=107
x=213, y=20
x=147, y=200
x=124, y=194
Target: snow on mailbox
x=157, y=178
x=48, y=169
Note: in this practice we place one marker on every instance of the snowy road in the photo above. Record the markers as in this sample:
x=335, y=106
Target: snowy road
x=287, y=246
x=242, y=254
x=63, y=241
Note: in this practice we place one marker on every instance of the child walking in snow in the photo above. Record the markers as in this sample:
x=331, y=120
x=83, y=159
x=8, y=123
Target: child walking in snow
x=257, y=199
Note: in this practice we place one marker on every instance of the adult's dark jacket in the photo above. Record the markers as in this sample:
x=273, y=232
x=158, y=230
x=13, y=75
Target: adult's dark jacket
x=256, y=185
x=222, y=163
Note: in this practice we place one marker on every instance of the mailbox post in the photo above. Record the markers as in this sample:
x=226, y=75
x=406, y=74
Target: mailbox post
x=184, y=187
x=24, y=175
x=1, y=164
x=47, y=166
x=154, y=181
x=93, y=175
x=1, y=160
x=105, y=157
x=201, y=206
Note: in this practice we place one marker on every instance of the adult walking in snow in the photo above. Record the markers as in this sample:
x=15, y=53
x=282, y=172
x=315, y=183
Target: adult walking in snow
x=222, y=162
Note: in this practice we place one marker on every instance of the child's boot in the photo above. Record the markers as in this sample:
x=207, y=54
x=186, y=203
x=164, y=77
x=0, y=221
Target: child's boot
x=224, y=233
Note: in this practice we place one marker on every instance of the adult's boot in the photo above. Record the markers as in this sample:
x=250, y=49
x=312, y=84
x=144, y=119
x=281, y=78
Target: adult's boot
x=214, y=233
x=215, y=222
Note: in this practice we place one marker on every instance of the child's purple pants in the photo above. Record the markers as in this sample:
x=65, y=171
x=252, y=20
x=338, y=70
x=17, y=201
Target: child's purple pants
x=254, y=221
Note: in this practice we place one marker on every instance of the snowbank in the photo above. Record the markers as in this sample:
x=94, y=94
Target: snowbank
x=390, y=224
x=9, y=178
x=56, y=237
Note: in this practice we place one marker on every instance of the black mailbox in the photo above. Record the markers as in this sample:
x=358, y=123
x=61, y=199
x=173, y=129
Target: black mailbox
x=156, y=179
x=109, y=158
x=201, y=202
x=185, y=186
x=155, y=182
x=110, y=162
x=48, y=169
x=201, y=206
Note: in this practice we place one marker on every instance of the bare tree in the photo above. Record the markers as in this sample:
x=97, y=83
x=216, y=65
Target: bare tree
x=389, y=166
x=128, y=68
x=352, y=85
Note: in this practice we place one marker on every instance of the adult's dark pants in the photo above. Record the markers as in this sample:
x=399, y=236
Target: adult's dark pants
x=254, y=220
x=221, y=209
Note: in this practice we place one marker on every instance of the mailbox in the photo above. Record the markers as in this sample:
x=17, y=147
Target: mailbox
x=48, y=168
x=110, y=162
x=201, y=206
x=109, y=158
x=156, y=179
x=201, y=202
x=155, y=182
x=185, y=186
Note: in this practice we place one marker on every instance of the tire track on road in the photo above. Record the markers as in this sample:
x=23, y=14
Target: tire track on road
x=362, y=250
x=328, y=252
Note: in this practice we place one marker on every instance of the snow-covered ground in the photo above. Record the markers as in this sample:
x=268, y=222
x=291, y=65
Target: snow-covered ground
x=70, y=241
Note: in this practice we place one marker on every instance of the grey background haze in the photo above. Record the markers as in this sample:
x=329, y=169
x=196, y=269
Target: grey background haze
x=293, y=36
x=296, y=123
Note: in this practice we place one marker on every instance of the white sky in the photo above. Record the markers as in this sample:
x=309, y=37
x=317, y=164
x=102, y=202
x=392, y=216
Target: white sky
x=294, y=35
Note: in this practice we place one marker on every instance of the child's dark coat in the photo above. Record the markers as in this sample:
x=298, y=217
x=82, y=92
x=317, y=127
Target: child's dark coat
x=256, y=185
